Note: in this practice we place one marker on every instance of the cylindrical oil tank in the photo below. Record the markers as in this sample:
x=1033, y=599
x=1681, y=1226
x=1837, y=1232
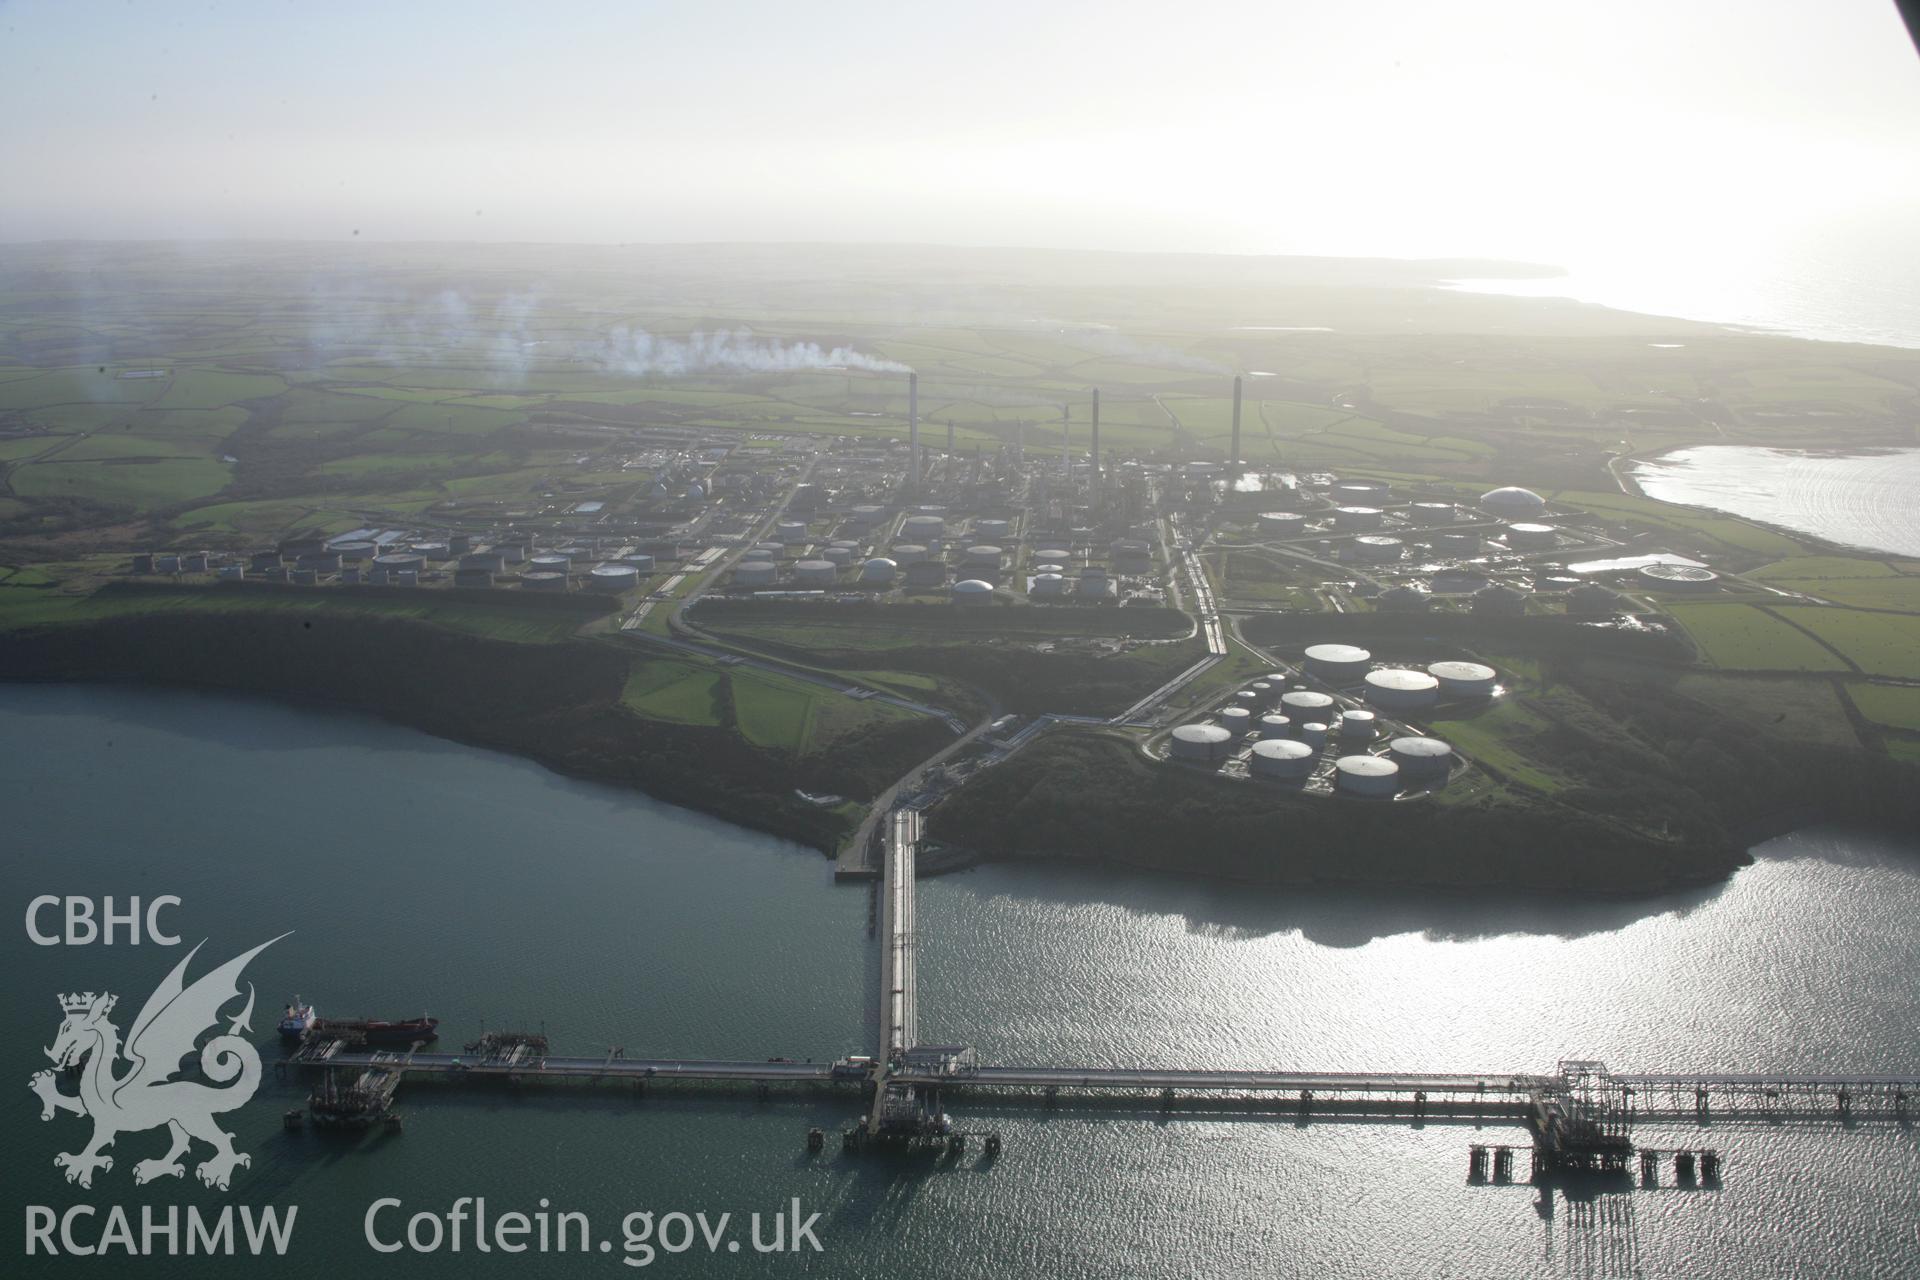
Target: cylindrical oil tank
x=1337, y=664
x=972, y=591
x=1283, y=524
x=983, y=555
x=754, y=573
x=1100, y=588
x=926, y=573
x=1420, y=759
x=878, y=571
x=484, y=561
x=1199, y=742
x=991, y=528
x=459, y=543
x=1463, y=679
x=814, y=573
x=1275, y=726
x=1457, y=544
x=1433, y=512
x=1531, y=537
x=513, y=552
x=433, y=550
x=1398, y=689
x=613, y=578
x=1357, y=725
x=544, y=564
x=1357, y=517
x=924, y=528
x=1303, y=705
x=910, y=552
x=1313, y=733
x=1281, y=758
x=257, y=561
x=143, y=562
x=354, y=552
x=1363, y=775
x=473, y=577
x=769, y=550
x=324, y=562
x=230, y=572
x=1053, y=555
x=790, y=531
x=1364, y=491
x=642, y=563
x=1047, y=584
x=540, y=580
x=838, y=557
x=303, y=577
x=404, y=578
x=1378, y=548
x=1677, y=577
x=1235, y=720
x=1264, y=692
x=1059, y=569
x=866, y=516
x=400, y=562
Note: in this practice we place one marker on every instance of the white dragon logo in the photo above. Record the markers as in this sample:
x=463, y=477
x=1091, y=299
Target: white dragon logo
x=146, y=1097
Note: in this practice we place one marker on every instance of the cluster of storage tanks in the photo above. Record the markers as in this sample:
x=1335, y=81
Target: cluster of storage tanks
x=390, y=562
x=1292, y=731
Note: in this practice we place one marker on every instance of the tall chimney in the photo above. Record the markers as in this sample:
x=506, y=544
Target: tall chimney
x=1096, y=435
x=913, y=432
x=1234, y=461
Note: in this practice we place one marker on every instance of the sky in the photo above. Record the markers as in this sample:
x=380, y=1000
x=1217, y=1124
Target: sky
x=1506, y=128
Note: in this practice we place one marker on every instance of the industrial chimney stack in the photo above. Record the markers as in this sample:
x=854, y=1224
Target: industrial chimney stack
x=913, y=432
x=1096, y=435
x=1234, y=461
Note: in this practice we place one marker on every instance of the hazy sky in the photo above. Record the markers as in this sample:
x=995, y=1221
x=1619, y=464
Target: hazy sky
x=1514, y=128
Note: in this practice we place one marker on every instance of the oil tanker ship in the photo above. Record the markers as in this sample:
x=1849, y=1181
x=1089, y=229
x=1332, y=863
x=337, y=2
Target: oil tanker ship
x=300, y=1020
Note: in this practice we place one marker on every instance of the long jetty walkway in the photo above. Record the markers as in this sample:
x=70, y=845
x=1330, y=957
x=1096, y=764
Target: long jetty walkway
x=1578, y=1112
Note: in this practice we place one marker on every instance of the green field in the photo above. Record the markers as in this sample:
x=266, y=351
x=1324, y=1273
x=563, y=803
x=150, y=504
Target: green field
x=681, y=692
x=1880, y=644
x=1746, y=637
x=1896, y=706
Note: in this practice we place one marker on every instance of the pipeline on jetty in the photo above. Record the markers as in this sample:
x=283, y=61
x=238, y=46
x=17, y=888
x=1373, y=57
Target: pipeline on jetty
x=1580, y=1115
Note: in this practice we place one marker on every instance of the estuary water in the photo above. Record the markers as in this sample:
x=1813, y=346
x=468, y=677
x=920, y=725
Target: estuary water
x=1861, y=499
x=419, y=874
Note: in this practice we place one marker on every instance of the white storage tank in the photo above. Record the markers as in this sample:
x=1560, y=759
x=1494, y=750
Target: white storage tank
x=838, y=557
x=613, y=578
x=1264, y=692
x=353, y=552
x=473, y=577
x=1281, y=758
x=1275, y=726
x=1513, y=502
x=577, y=554
x=1100, y=588
x=1376, y=548
x=1420, y=759
x=754, y=573
x=1303, y=705
x=878, y=571
x=1051, y=568
x=991, y=528
x=769, y=550
x=1199, y=742
x=1053, y=555
x=1235, y=720
x=910, y=552
x=924, y=528
x=1048, y=584
x=972, y=591
x=1363, y=775
x=1283, y=524
x=539, y=564
x=1463, y=679
x=983, y=556
x=1357, y=725
x=397, y=562
x=1532, y=537
x=814, y=573
x=1357, y=517
x=1313, y=733
x=1398, y=689
x=1457, y=544
x=790, y=531
x=433, y=550
x=1363, y=491
x=1405, y=598
x=1337, y=664
x=1677, y=577
x=1433, y=512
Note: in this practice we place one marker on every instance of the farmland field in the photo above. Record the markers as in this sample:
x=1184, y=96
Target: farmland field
x=1745, y=637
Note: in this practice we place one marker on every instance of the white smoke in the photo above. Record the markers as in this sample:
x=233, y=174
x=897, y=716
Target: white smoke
x=642, y=354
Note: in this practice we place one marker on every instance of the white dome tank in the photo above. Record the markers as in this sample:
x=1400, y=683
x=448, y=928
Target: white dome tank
x=1364, y=775
x=1398, y=689
x=1281, y=758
